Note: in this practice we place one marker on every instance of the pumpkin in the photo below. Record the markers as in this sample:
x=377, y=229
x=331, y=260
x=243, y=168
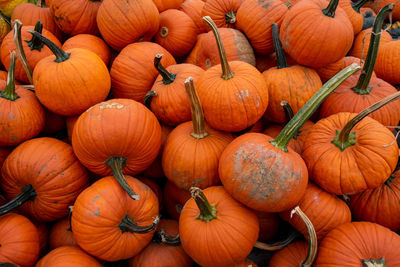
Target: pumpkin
x=164, y=250
x=177, y=32
x=193, y=9
x=359, y=243
x=4, y=28
x=133, y=73
x=138, y=20
x=110, y=225
x=294, y=84
x=70, y=122
x=156, y=190
x=43, y=177
x=210, y=215
x=307, y=29
x=163, y=5
x=167, y=98
x=7, y=6
x=255, y=19
x=386, y=66
x=231, y=100
x=377, y=5
x=54, y=124
x=354, y=13
x=265, y=62
x=262, y=172
x=362, y=42
x=60, y=80
x=174, y=199
x=89, y=42
x=67, y=256
x=138, y=132
x=192, y=150
x=269, y=225
x=43, y=232
x=245, y=263
x=4, y=152
x=75, y=17
x=19, y=240
x=61, y=234
x=222, y=12
x=22, y=115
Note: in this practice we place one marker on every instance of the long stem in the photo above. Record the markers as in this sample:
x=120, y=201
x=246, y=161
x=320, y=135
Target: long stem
x=161, y=237
x=208, y=212
x=280, y=54
x=362, y=87
x=331, y=8
x=291, y=128
x=35, y=43
x=278, y=245
x=28, y=193
x=128, y=225
x=199, y=130
x=289, y=114
x=116, y=164
x=345, y=137
x=358, y=5
x=61, y=56
x=312, y=237
x=20, y=50
x=9, y=92
x=227, y=73
x=167, y=76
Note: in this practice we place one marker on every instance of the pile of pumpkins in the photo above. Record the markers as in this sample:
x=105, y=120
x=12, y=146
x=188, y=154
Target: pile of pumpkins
x=191, y=133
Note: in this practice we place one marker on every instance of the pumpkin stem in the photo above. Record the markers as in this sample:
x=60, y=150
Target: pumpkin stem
x=70, y=218
x=227, y=73
x=5, y=18
x=164, y=32
x=148, y=97
x=374, y=263
x=208, y=212
x=288, y=4
x=61, y=56
x=278, y=245
x=161, y=237
x=28, y=193
x=331, y=8
x=291, y=128
x=389, y=181
x=35, y=43
x=167, y=76
x=20, y=50
x=39, y=3
x=289, y=114
x=128, y=225
x=280, y=54
x=345, y=137
x=199, y=130
x=358, y=5
x=116, y=164
x=230, y=17
x=9, y=92
x=312, y=237
x=362, y=87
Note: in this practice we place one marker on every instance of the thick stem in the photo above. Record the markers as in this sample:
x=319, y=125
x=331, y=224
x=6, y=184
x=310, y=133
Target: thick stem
x=230, y=17
x=28, y=193
x=289, y=114
x=312, y=237
x=291, y=128
x=345, y=137
x=128, y=225
x=9, y=92
x=278, y=245
x=359, y=4
x=116, y=164
x=362, y=87
x=20, y=50
x=374, y=263
x=148, y=97
x=208, y=212
x=61, y=56
x=280, y=54
x=167, y=76
x=331, y=8
x=161, y=237
x=199, y=130
x=227, y=73
x=35, y=43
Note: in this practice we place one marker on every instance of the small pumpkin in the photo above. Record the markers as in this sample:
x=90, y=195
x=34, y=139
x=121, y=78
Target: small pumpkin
x=222, y=12
x=193, y=9
x=67, y=256
x=354, y=13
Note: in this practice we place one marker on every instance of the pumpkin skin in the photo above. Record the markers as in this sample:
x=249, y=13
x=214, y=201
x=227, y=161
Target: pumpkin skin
x=100, y=209
x=67, y=256
x=387, y=64
x=156, y=190
x=19, y=240
x=379, y=205
x=362, y=166
x=305, y=34
x=222, y=12
x=350, y=243
x=7, y=6
x=242, y=170
x=163, y=5
x=54, y=172
x=61, y=234
x=193, y=9
x=43, y=232
x=174, y=199
x=291, y=255
x=356, y=18
x=377, y=5
x=138, y=20
x=269, y=225
x=236, y=229
x=75, y=17
x=362, y=40
x=245, y=263
x=133, y=73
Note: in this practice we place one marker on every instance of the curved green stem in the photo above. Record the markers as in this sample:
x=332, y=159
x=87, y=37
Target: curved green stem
x=289, y=114
x=161, y=237
x=9, y=92
x=61, y=56
x=227, y=73
x=362, y=87
x=35, y=43
x=280, y=54
x=292, y=127
x=20, y=50
x=208, y=212
x=278, y=245
x=331, y=8
x=148, y=97
x=374, y=263
x=128, y=225
x=167, y=76
x=116, y=164
x=28, y=193
x=358, y=5
x=230, y=17
x=199, y=130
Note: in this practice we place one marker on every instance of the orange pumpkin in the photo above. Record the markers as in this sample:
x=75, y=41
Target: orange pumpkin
x=222, y=12
x=163, y=5
x=193, y=9
x=362, y=42
x=387, y=66
x=61, y=234
x=174, y=199
x=66, y=256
